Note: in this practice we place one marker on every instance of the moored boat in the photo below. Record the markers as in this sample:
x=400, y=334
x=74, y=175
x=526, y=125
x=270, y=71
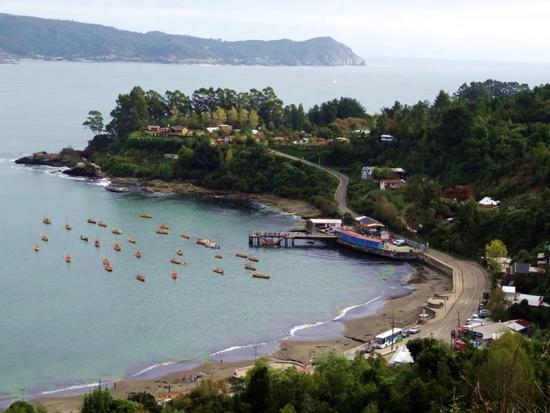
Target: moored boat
x=108, y=268
x=162, y=231
x=175, y=261
x=106, y=262
x=179, y=251
x=249, y=266
x=102, y=224
x=84, y=237
x=91, y=221
x=213, y=245
x=218, y=256
x=174, y=275
x=68, y=258
x=164, y=226
x=117, y=231
x=137, y=254
x=117, y=247
x=261, y=275
x=68, y=227
x=46, y=221
x=140, y=277
x=97, y=243
x=131, y=240
x=241, y=255
x=36, y=247
x=254, y=258
x=145, y=215
x=269, y=243
x=184, y=235
x=218, y=270
x=202, y=241
x=44, y=237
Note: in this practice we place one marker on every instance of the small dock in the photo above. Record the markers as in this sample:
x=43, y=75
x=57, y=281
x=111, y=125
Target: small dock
x=287, y=238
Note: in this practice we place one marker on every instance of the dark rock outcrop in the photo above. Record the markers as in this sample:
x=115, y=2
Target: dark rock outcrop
x=78, y=166
x=85, y=169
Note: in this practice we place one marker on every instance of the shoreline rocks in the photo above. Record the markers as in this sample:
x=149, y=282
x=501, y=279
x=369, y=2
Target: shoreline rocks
x=67, y=157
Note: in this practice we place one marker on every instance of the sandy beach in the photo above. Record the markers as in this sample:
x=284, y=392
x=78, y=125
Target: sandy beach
x=403, y=309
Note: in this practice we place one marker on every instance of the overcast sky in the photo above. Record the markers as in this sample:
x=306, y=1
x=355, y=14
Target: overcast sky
x=509, y=30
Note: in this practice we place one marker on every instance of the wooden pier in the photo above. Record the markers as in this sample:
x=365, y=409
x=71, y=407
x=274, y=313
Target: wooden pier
x=286, y=238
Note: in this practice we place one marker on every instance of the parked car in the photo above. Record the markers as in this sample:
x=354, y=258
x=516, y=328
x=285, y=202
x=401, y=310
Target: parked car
x=483, y=313
x=398, y=242
x=414, y=329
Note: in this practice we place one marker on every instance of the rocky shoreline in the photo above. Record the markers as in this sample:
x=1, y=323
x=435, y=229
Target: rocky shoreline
x=78, y=165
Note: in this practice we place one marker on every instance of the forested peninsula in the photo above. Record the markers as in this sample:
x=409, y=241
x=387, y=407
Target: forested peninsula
x=36, y=38
x=487, y=140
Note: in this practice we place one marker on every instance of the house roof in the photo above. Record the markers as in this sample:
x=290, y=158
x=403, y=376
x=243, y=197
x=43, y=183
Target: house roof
x=488, y=201
x=490, y=330
x=325, y=221
x=401, y=356
x=517, y=325
x=393, y=181
x=368, y=221
x=532, y=300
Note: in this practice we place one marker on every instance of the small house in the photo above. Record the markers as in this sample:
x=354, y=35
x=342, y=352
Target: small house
x=368, y=224
x=212, y=129
x=509, y=292
x=323, y=224
x=532, y=300
x=388, y=184
x=225, y=128
x=179, y=130
x=488, y=202
x=387, y=138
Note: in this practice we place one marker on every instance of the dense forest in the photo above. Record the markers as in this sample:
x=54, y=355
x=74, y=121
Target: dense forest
x=512, y=375
x=32, y=37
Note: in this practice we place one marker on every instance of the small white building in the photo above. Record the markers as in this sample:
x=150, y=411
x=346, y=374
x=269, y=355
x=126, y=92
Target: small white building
x=401, y=356
x=509, y=292
x=212, y=129
x=323, y=224
x=488, y=202
x=387, y=138
x=532, y=300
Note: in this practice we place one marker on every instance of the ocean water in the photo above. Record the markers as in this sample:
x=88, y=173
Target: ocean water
x=69, y=325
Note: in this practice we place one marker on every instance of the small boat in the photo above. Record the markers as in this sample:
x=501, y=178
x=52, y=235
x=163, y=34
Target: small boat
x=213, y=245
x=117, y=247
x=44, y=237
x=106, y=262
x=117, y=231
x=46, y=221
x=202, y=241
x=140, y=277
x=218, y=270
x=84, y=237
x=175, y=261
x=102, y=224
x=68, y=227
x=91, y=221
x=162, y=231
x=184, y=235
x=68, y=259
x=179, y=251
x=108, y=268
x=164, y=226
x=145, y=215
x=218, y=256
x=97, y=243
x=241, y=255
x=36, y=247
x=174, y=275
x=261, y=275
x=249, y=266
x=254, y=258
x=137, y=254
x=131, y=240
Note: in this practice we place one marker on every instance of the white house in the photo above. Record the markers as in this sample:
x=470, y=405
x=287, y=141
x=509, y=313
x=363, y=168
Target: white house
x=212, y=129
x=489, y=202
x=509, y=293
x=387, y=138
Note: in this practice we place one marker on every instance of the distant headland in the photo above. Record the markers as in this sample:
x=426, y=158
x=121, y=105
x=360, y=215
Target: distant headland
x=23, y=37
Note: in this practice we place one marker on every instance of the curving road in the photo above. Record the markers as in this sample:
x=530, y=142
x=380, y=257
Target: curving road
x=469, y=279
x=341, y=194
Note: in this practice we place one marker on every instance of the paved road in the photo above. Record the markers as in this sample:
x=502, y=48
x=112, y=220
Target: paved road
x=470, y=280
x=341, y=194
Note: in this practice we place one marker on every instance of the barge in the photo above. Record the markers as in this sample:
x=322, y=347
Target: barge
x=370, y=244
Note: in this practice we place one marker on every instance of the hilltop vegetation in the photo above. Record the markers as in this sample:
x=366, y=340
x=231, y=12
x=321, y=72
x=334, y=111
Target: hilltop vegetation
x=31, y=38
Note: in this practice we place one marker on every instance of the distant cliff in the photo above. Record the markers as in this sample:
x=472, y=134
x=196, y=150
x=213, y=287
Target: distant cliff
x=36, y=38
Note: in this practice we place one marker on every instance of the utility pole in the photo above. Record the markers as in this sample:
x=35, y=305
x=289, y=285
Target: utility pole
x=392, y=328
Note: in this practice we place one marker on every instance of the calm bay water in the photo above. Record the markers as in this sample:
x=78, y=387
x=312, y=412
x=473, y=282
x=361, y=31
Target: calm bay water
x=62, y=324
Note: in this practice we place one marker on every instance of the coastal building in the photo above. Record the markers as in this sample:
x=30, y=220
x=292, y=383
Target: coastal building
x=323, y=224
x=179, y=130
x=212, y=129
x=532, y=300
x=365, y=131
x=509, y=292
x=389, y=184
x=368, y=224
x=367, y=172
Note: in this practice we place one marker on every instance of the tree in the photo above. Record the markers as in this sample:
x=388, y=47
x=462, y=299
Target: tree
x=243, y=118
x=258, y=393
x=233, y=116
x=98, y=401
x=94, y=122
x=21, y=407
x=130, y=113
x=147, y=401
x=496, y=304
x=493, y=251
x=253, y=119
